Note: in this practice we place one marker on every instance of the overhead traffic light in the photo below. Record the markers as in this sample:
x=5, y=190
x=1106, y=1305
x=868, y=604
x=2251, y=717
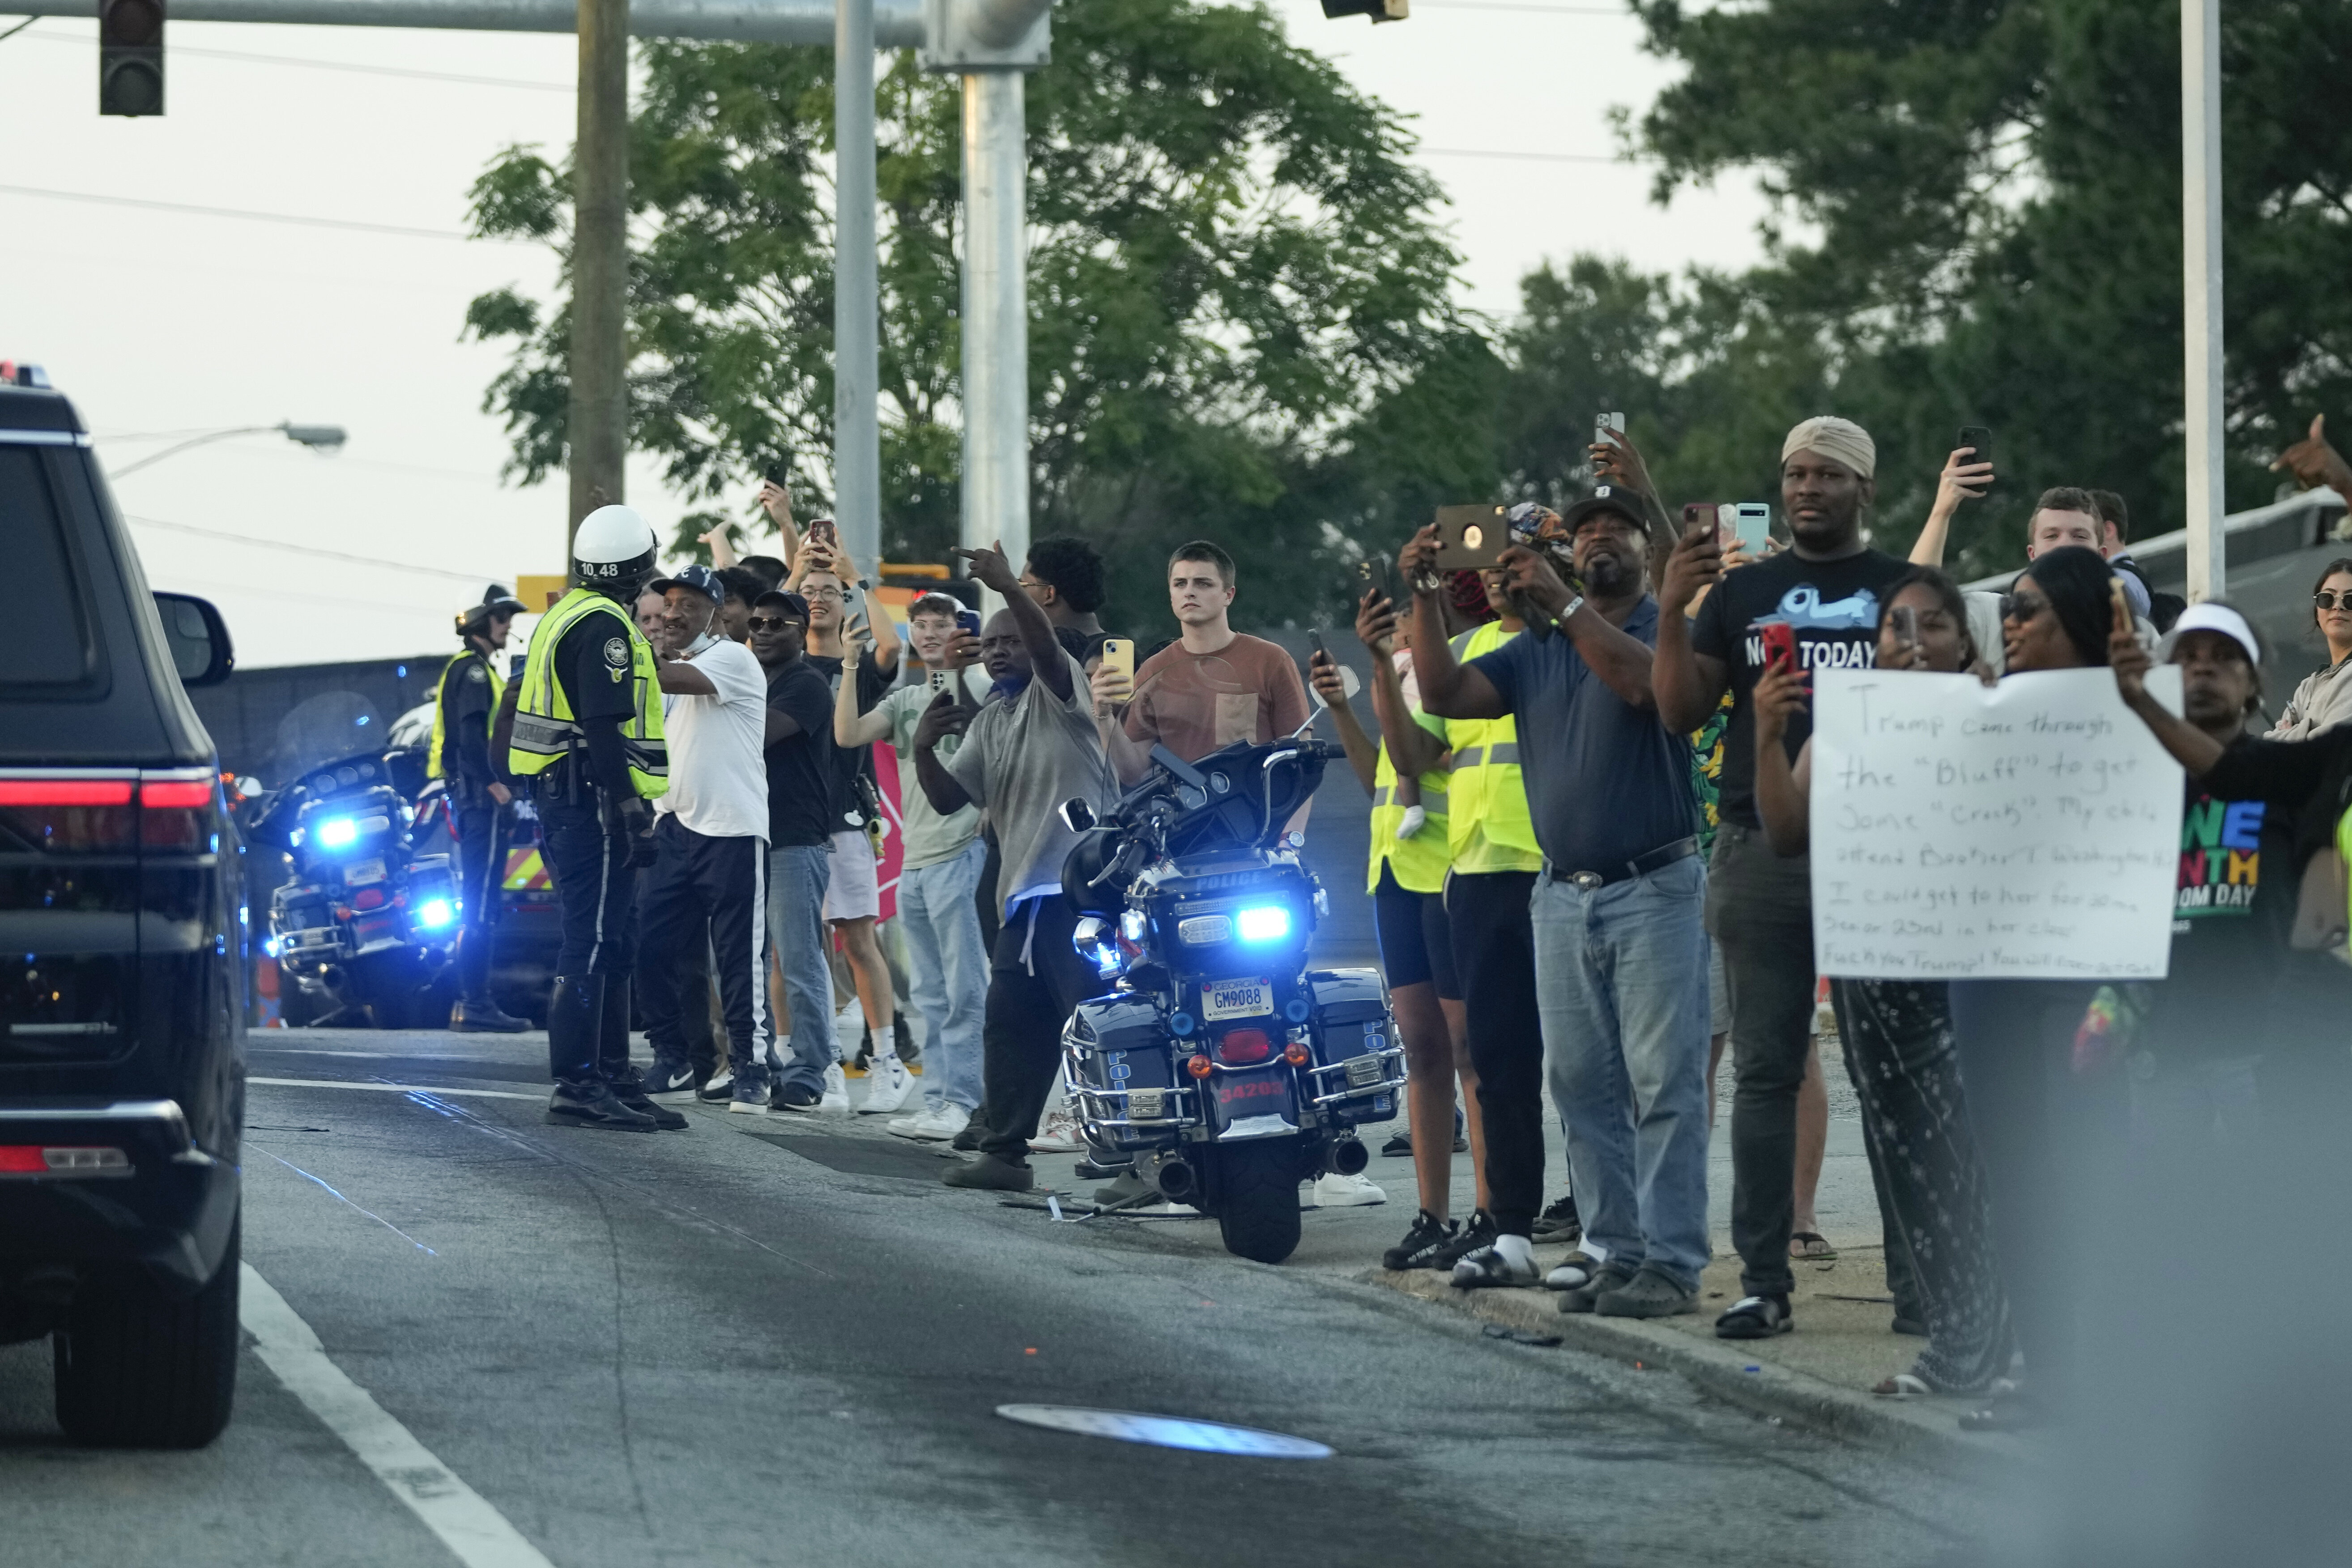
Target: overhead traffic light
x=131, y=56
x=1377, y=10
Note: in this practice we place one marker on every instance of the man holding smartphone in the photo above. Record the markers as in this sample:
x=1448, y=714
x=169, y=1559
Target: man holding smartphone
x=937, y=883
x=1825, y=590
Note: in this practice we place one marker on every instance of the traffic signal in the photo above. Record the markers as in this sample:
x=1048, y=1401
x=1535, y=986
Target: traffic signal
x=131, y=56
x=1377, y=10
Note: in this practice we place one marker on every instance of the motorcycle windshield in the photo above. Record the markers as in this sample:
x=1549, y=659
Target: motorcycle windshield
x=321, y=735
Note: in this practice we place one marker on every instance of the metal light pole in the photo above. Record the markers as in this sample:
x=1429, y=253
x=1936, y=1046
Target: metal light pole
x=317, y=438
x=2200, y=291
x=598, y=429
x=857, y=294
x=995, y=314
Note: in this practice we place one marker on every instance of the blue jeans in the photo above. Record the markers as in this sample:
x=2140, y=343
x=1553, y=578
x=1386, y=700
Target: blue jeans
x=949, y=984
x=798, y=875
x=1621, y=978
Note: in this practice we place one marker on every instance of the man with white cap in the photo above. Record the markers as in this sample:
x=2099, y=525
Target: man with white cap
x=1818, y=599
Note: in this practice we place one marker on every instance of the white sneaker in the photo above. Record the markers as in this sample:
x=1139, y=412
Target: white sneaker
x=1057, y=1135
x=939, y=1126
x=837, y=1091
x=1347, y=1192
x=887, y=1085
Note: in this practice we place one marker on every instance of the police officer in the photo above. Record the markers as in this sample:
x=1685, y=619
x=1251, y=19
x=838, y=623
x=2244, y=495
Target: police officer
x=463, y=706
x=588, y=734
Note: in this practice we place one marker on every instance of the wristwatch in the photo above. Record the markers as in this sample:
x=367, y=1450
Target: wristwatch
x=1573, y=605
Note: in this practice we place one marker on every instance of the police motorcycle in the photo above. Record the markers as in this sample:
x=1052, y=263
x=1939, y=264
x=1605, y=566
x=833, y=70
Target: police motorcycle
x=1221, y=1068
x=365, y=924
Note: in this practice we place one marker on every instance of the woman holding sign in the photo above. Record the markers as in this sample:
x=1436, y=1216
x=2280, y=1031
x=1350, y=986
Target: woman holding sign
x=1899, y=1049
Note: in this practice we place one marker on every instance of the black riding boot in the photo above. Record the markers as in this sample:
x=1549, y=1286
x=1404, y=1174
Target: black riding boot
x=575, y=1018
x=476, y=1013
x=613, y=1062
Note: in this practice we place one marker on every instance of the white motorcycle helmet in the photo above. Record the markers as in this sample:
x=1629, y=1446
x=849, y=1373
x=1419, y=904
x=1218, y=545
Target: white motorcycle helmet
x=613, y=552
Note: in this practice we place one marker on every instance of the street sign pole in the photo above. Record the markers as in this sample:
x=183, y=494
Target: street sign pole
x=2201, y=288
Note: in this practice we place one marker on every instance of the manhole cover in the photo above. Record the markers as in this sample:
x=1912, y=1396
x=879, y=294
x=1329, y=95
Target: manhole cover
x=1166, y=1431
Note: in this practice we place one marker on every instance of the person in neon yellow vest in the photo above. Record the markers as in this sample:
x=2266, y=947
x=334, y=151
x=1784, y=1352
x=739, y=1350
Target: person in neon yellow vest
x=464, y=704
x=588, y=736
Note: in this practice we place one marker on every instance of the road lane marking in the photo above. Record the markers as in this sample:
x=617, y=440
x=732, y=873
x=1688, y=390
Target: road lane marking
x=340, y=1198
x=391, y=1088
x=477, y=1534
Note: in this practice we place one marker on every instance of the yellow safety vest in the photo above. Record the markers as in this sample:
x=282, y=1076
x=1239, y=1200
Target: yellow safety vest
x=441, y=706
x=544, y=729
x=1488, y=828
x=1419, y=862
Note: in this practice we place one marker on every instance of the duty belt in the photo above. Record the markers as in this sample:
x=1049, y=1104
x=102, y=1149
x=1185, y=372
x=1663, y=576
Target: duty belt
x=1505, y=755
x=1639, y=866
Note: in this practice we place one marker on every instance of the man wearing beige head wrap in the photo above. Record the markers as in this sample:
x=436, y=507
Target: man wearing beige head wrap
x=1826, y=588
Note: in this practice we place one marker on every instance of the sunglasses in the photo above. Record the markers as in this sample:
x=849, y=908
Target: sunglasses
x=2021, y=608
x=2326, y=600
x=770, y=623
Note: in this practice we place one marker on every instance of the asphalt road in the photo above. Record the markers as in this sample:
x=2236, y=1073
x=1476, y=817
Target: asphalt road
x=780, y=1342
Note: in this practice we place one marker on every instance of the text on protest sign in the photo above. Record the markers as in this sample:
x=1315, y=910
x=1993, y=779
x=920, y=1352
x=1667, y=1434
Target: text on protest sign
x=2028, y=830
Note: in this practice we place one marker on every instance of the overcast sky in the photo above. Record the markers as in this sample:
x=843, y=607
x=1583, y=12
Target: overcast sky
x=158, y=321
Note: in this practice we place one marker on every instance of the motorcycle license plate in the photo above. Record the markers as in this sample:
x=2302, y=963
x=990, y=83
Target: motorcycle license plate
x=359, y=871
x=1236, y=998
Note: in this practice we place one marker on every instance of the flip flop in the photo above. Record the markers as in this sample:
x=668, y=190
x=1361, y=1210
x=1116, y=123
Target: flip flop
x=1902, y=1386
x=1812, y=1246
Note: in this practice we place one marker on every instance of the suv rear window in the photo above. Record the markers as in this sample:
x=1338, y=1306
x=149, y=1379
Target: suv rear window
x=48, y=644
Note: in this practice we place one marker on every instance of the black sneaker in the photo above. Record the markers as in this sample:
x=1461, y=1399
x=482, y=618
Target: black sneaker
x=1558, y=1223
x=902, y=1035
x=799, y=1096
x=718, y=1088
x=1428, y=1236
x=593, y=1104
x=669, y=1080
x=1477, y=1233
x=1398, y=1146
x=967, y=1141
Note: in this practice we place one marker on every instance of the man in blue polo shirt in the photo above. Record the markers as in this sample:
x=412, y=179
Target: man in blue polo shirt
x=1620, y=948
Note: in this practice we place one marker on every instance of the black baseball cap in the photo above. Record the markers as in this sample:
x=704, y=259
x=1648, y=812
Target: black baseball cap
x=795, y=608
x=698, y=577
x=1626, y=503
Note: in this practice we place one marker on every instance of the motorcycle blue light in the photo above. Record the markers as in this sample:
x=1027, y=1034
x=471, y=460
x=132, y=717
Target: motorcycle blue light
x=1267, y=922
x=435, y=913
x=337, y=831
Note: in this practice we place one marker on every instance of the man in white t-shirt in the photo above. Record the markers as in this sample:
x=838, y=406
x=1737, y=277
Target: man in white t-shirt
x=710, y=831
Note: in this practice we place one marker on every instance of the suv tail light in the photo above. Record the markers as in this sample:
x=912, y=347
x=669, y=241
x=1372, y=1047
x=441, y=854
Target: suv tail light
x=36, y=1160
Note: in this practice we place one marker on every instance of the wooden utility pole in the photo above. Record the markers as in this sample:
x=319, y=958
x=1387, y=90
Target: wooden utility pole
x=598, y=430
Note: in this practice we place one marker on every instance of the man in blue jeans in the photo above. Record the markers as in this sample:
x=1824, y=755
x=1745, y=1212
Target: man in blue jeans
x=937, y=880
x=799, y=756
x=1620, y=948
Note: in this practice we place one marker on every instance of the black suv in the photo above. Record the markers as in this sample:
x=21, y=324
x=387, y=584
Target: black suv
x=122, y=993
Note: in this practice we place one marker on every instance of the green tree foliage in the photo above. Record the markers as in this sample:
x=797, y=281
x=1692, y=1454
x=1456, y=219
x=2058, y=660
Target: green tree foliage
x=1978, y=221
x=1232, y=264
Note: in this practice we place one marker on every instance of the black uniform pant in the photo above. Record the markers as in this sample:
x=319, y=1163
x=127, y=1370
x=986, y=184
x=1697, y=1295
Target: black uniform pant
x=1495, y=958
x=480, y=872
x=1036, y=981
x=587, y=851
x=705, y=898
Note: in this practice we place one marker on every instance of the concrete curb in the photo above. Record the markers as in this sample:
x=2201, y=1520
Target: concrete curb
x=1922, y=1428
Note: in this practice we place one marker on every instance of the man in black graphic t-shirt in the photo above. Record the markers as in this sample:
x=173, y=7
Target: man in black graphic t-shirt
x=1826, y=590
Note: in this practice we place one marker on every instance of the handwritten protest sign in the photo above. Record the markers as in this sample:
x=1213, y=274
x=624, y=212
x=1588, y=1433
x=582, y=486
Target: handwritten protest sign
x=2028, y=830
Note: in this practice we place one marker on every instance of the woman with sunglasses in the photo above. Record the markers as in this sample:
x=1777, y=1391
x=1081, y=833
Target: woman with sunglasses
x=1899, y=1050
x=2324, y=699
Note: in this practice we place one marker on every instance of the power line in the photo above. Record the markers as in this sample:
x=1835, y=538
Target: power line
x=248, y=538
x=252, y=58
x=299, y=219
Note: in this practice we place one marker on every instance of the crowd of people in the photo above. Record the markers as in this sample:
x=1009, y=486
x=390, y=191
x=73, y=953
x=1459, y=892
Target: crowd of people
x=1587, y=869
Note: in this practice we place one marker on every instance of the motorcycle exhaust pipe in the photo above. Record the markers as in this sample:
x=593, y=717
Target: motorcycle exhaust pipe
x=1176, y=1180
x=1346, y=1157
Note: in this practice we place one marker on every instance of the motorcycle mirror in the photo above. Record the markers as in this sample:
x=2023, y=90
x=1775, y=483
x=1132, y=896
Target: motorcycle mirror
x=1077, y=815
x=248, y=786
